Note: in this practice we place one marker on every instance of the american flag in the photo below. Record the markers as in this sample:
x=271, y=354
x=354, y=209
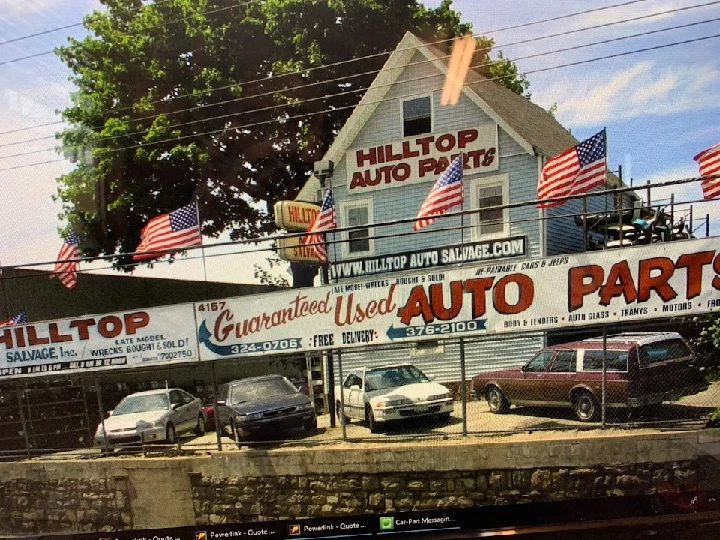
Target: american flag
x=446, y=193
x=20, y=318
x=574, y=171
x=176, y=230
x=324, y=221
x=65, y=267
x=709, y=162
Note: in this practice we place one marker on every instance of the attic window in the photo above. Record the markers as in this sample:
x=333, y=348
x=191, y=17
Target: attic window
x=417, y=116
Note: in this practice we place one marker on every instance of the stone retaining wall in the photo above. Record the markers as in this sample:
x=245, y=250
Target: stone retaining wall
x=111, y=494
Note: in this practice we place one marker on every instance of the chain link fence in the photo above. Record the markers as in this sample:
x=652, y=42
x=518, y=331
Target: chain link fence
x=634, y=376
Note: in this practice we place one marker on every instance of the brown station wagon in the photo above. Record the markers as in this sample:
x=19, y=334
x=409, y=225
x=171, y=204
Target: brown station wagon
x=642, y=369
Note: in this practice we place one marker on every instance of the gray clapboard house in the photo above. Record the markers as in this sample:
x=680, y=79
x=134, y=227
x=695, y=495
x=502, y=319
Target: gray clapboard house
x=383, y=172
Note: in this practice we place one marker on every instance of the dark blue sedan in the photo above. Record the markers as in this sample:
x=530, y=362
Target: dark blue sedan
x=263, y=405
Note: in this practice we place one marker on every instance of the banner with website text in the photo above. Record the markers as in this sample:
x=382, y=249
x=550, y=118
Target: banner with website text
x=138, y=338
x=659, y=280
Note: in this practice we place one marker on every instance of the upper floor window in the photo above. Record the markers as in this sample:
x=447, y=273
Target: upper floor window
x=488, y=193
x=417, y=116
x=355, y=214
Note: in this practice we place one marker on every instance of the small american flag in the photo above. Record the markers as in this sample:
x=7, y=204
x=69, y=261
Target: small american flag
x=709, y=162
x=324, y=221
x=446, y=193
x=574, y=171
x=66, y=266
x=167, y=232
x=20, y=318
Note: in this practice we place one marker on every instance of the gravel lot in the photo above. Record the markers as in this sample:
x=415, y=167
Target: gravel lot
x=690, y=411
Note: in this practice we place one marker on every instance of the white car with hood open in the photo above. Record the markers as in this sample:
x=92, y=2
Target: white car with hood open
x=397, y=392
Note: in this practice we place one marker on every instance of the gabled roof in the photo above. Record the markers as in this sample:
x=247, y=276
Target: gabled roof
x=531, y=126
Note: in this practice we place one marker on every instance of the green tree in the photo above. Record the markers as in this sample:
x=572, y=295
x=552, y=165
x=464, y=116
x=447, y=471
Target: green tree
x=225, y=101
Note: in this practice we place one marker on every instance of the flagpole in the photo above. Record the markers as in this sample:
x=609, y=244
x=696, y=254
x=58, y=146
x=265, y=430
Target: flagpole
x=202, y=249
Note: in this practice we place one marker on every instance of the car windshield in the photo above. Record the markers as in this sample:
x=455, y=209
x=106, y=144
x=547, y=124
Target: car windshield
x=393, y=377
x=256, y=390
x=137, y=404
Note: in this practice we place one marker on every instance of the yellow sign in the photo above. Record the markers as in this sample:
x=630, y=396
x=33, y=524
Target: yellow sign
x=294, y=215
x=289, y=248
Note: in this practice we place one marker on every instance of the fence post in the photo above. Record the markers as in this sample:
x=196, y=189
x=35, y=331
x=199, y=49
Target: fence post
x=707, y=225
x=604, y=377
x=21, y=405
x=98, y=393
x=218, y=427
x=463, y=387
x=330, y=389
x=342, y=397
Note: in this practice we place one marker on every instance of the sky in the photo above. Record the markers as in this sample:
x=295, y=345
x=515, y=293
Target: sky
x=660, y=107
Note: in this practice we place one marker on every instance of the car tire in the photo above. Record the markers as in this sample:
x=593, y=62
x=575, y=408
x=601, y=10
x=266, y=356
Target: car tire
x=170, y=434
x=585, y=406
x=311, y=426
x=200, y=427
x=370, y=420
x=344, y=420
x=496, y=400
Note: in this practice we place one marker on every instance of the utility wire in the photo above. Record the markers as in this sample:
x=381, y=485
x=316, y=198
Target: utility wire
x=390, y=223
x=363, y=74
x=304, y=115
x=74, y=25
x=356, y=59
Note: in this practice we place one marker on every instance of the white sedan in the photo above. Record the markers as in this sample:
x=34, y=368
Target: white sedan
x=398, y=392
x=152, y=416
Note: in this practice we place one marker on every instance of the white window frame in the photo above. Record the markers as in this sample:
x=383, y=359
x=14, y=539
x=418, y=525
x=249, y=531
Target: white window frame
x=345, y=206
x=402, y=115
x=502, y=180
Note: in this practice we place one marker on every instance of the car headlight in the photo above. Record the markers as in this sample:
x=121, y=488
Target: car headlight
x=142, y=424
x=248, y=417
x=446, y=395
x=393, y=402
x=305, y=407
x=99, y=431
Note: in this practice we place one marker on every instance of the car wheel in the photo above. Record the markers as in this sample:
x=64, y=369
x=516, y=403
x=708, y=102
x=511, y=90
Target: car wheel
x=370, y=420
x=585, y=406
x=311, y=425
x=170, y=434
x=496, y=400
x=200, y=427
x=344, y=420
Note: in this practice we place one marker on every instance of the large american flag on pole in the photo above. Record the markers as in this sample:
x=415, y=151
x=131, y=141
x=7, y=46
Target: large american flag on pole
x=574, y=171
x=709, y=162
x=446, y=193
x=324, y=221
x=67, y=265
x=19, y=318
x=169, y=232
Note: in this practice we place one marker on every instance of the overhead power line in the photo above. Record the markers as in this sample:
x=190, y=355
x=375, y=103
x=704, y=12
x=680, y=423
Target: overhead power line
x=314, y=113
x=343, y=94
x=362, y=74
x=355, y=59
x=380, y=224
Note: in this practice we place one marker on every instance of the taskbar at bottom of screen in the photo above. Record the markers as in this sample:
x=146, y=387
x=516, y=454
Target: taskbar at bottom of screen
x=477, y=518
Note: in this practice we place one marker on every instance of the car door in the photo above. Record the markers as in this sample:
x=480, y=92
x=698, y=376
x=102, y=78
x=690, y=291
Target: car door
x=352, y=395
x=193, y=407
x=179, y=412
x=561, y=377
x=530, y=387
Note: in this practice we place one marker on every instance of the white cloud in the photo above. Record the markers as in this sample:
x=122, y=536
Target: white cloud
x=642, y=89
x=11, y=8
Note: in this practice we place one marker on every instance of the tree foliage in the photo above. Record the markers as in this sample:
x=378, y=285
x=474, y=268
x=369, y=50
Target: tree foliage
x=225, y=101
